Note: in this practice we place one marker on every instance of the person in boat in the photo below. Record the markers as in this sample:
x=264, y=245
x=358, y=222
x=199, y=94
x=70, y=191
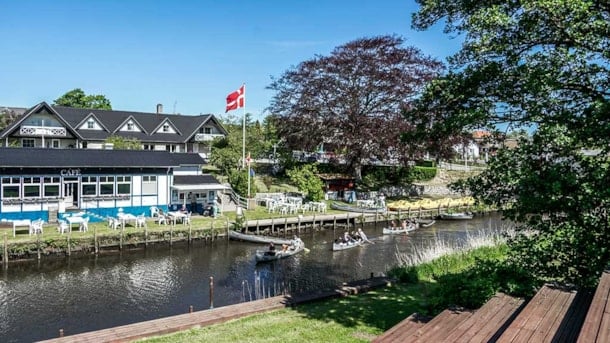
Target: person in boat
x=285, y=247
x=393, y=225
x=347, y=238
x=404, y=224
x=356, y=236
x=271, y=251
x=362, y=235
x=296, y=242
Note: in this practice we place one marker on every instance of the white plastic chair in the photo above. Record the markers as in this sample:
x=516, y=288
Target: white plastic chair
x=36, y=226
x=84, y=226
x=63, y=226
x=113, y=223
x=187, y=220
x=154, y=211
x=161, y=219
x=141, y=221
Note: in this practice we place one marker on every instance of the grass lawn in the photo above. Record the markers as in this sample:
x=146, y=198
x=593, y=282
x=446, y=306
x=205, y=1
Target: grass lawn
x=356, y=318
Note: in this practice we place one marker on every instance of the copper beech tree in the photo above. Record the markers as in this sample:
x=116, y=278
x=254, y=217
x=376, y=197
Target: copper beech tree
x=352, y=100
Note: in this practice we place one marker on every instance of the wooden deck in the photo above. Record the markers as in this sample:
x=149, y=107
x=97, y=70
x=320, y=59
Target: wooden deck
x=482, y=325
x=127, y=333
x=596, y=327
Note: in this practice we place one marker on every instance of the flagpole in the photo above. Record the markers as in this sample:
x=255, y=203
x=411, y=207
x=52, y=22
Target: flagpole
x=243, y=141
x=248, y=175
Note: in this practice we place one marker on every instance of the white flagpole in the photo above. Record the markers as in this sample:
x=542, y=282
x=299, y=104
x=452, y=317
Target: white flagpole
x=248, y=175
x=243, y=142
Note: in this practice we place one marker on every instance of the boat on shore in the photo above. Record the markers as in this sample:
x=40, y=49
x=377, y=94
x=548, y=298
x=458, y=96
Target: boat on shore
x=456, y=216
x=349, y=245
x=238, y=236
x=350, y=208
x=266, y=255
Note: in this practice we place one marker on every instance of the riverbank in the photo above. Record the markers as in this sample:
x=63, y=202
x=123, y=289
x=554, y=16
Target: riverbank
x=100, y=238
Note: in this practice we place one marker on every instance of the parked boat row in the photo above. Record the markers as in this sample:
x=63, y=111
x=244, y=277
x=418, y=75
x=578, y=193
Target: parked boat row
x=238, y=236
x=349, y=208
x=456, y=216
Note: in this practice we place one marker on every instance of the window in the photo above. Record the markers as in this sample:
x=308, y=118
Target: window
x=90, y=124
x=106, y=185
x=148, y=147
x=10, y=187
x=51, y=187
x=149, y=184
x=123, y=185
x=89, y=185
x=130, y=126
x=28, y=143
x=31, y=187
x=55, y=143
x=165, y=127
x=207, y=130
x=170, y=148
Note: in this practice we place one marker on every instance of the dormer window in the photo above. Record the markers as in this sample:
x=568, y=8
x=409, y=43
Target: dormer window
x=130, y=126
x=90, y=124
x=165, y=127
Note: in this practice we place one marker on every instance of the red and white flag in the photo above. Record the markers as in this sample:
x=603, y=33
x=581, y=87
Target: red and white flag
x=236, y=99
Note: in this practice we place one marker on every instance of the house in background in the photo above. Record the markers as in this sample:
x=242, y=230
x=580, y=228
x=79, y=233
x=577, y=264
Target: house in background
x=59, y=127
x=44, y=183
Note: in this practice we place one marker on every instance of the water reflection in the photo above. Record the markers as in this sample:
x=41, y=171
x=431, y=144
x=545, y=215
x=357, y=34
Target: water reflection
x=83, y=294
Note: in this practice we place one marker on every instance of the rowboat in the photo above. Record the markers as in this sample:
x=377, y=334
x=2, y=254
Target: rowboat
x=425, y=222
x=266, y=255
x=398, y=231
x=238, y=236
x=343, y=246
x=456, y=216
x=349, y=208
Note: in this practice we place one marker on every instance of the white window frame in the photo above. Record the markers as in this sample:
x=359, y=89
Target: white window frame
x=122, y=181
x=32, y=140
x=51, y=181
x=90, y=124
x=149, y=184
x=29, y=182
x=88, y=181
x=105, y=181
x=13, y=182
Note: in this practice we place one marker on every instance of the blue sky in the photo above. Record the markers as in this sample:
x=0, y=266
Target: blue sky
x=186, y=55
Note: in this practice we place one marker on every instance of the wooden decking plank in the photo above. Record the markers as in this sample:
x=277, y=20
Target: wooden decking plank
x=435, y=332
x=600, y=308
x=529, y=317
x=496, y=323
x=407, y=326
x=551, y=320
x=473, y=324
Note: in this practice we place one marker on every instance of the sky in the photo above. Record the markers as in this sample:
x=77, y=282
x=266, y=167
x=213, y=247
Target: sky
x=186, y=55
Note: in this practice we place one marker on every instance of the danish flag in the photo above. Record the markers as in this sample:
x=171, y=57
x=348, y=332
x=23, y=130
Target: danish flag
x=236, y=99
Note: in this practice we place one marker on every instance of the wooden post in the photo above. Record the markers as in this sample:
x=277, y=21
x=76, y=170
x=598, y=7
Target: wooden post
x=190, y=233
x=257, y=227
x=228, y=229
x=347, y=222
x=95, y=246
x=409, y=212
x=121, y=238
x=212, y=228
x=375, y=219
x=70, y=240
x=171, y=234
x=145, y=235
x=272, y=226
x=313, y=225
x=334, y=222
x=299, y=225
x=5, y=254
x=399, y=214
x=38, y=244
x=285, y=226
x=211, y=292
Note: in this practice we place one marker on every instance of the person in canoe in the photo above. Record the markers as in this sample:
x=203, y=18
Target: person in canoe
x=271, y=251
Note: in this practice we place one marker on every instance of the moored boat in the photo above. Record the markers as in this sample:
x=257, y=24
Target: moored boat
x=425, y=222
x=257, y=239
x=266, y=255
x=349, y=245
x=456, y=216
x=398, y=231
x=349, y=208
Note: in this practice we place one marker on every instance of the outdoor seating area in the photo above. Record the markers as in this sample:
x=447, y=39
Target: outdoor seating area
x=282, y=204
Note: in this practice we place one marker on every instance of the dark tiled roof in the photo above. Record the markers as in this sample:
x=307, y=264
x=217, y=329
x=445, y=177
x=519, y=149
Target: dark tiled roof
x=195, y=179
x=185, y=125
x=60, y=158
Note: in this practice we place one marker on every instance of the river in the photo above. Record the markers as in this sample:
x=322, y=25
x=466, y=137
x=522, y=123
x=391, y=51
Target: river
x=80, y=294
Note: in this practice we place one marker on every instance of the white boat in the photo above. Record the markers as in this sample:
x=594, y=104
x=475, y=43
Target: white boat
x=266, y=255
x=456, y=216
x=257, y=239
x=343, y=246
x=398, y=231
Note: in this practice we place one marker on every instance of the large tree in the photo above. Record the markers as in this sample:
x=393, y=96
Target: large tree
x=543, y=65
x=78, y=98
x=352, y=100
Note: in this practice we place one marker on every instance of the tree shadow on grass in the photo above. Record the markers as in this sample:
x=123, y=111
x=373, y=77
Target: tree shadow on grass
x=380, y=308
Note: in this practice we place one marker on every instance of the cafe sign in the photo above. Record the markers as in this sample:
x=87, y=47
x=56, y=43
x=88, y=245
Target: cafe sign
x=70, y=172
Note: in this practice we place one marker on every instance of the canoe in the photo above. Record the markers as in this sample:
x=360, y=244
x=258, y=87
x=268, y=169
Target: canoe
x=265, y=256
x=425, y=222
x=343, y=246
x=390, y=231
x=349, y=208
x=456, y=216
x=238, y=236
